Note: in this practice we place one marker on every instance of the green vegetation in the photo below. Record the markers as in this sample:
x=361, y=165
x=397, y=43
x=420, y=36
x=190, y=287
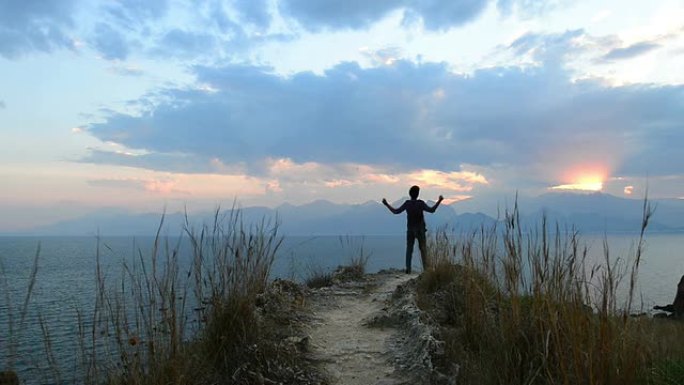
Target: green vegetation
x=524, y=307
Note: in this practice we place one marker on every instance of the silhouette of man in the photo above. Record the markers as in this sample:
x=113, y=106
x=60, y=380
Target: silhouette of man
x=415, y=224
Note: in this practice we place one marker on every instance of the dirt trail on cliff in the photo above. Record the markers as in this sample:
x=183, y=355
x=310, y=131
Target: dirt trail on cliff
x=351, y=352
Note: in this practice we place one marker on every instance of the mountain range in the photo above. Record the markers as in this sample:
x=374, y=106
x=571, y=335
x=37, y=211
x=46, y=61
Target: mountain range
x=595, y=212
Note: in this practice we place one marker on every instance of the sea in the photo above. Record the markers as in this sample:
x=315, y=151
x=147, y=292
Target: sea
x=66, y=280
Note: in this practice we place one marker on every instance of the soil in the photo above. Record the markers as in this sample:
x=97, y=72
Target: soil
x=346, y=338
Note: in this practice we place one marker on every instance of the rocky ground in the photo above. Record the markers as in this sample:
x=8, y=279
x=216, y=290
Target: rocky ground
x=369, y=332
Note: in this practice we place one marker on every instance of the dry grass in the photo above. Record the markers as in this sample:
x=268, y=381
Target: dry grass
x=318, y=277
x=358, y=258
x=523, y=307
x=17, y=327
x=164, y=321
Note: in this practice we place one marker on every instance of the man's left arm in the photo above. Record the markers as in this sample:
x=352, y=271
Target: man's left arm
x=433, y=208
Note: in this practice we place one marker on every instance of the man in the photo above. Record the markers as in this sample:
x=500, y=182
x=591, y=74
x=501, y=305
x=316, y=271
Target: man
x=415, y=224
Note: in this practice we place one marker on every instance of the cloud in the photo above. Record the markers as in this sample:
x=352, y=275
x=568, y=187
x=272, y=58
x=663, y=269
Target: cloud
x=29, y=26
x=528, y=8
x=133, y=184
x=656, y=187
x=181, y=43
x=125, y=22
x=209, y=29
x=184, y=186
x=383, y=56
x=406, y=116
x=311, y=179
x=254, y=11
x=435, y=15
x=353, y=174
x=2, y=105
x=354, y=14
x=549, y=49
x=110, y=42
x=315, y=15
x=254, y=115
x=217, y=16
x=126, y=70
x=460, y=181
x=132, y=12
x=157, y=186
x=634, y=50
x=44, y=26
x=442, y=15
x=131, y=25
x=170, y=162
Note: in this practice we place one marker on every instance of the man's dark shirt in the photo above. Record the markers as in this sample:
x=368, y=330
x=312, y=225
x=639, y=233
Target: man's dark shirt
x=414, y=213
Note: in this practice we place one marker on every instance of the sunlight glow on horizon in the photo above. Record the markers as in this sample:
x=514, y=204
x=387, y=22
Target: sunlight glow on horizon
x=456, y=198
x=584, y=178
x=581, y=186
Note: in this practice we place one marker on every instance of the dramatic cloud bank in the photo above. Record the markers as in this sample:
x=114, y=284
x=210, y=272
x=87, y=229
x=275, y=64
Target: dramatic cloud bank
x=436, y=15
x=403, y=116
x=117, y=28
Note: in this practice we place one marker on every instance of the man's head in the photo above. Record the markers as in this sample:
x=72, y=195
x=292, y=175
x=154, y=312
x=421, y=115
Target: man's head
x=414, y=191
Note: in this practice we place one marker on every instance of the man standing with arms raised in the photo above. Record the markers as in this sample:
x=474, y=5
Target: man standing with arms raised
x=415, y=224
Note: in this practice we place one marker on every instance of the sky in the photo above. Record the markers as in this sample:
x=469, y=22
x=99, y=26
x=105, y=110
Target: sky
x=144, y=105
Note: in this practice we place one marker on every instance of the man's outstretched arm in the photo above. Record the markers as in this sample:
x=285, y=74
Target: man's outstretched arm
x=392, y=209
x=433, y=208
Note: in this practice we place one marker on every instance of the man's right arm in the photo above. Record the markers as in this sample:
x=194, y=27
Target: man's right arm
x=392, y=209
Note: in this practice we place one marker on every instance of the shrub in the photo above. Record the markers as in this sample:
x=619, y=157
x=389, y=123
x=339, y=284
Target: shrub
x=318, y=277
x=358, y=260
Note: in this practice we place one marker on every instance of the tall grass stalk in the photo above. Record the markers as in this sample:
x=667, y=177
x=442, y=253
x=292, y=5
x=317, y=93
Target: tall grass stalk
x=176, y=318
x=15, y=330
x=358, y=257
x=526, y=306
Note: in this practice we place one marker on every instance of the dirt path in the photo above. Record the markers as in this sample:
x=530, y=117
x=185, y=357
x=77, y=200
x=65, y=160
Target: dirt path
x=353, y=353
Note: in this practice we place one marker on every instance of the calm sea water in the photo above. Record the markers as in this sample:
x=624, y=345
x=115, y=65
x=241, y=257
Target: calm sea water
x=66, y=278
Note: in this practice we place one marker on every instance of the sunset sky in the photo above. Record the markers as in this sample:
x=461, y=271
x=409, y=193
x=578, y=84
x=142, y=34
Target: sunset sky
x=145, y=104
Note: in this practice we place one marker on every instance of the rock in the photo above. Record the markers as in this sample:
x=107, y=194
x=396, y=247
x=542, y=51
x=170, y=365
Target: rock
x=676, y=307
x=301, y=343
x=678, y=303
x=388, y=381
x=668, y=308
x=9, y=378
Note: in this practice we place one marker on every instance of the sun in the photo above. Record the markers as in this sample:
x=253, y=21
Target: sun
x=587, y=185
x=591, y=179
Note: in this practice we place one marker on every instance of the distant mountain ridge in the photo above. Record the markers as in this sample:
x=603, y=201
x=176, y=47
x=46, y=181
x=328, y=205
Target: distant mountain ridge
x=315, y=218
x=599, y=212
x=594, y=212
